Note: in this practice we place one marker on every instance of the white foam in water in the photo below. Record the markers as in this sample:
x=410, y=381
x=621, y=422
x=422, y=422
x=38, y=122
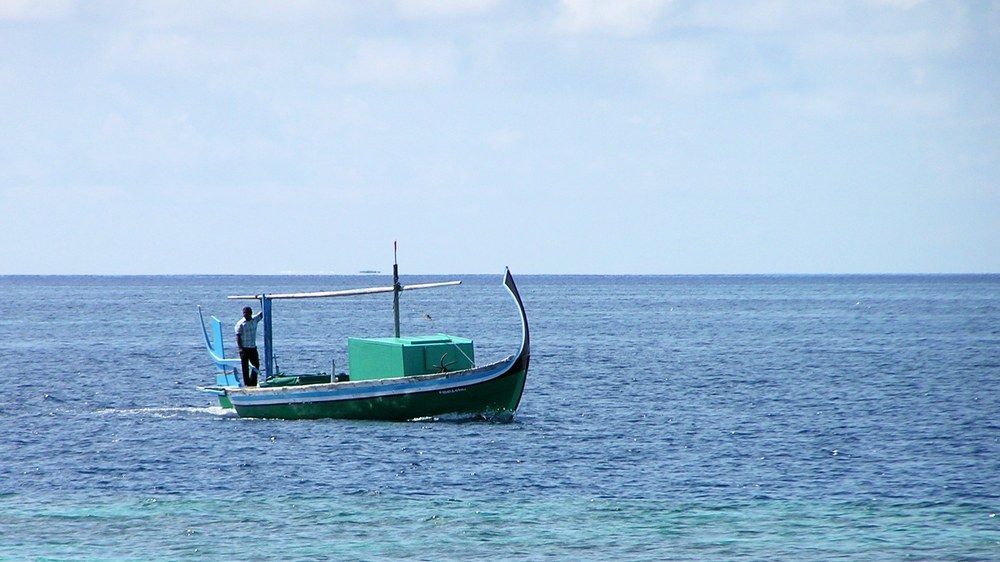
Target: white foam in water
x=172, y=411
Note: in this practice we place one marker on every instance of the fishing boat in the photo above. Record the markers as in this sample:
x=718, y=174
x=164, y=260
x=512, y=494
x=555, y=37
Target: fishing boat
x=397, y=378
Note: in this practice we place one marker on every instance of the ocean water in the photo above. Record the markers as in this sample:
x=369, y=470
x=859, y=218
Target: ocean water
x=664, y=418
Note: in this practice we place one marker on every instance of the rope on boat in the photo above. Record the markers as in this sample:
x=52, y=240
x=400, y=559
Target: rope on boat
x=429, y=318
x=469, y=359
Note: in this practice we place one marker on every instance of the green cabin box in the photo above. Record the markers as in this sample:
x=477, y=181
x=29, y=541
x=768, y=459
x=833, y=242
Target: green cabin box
x=381, y=358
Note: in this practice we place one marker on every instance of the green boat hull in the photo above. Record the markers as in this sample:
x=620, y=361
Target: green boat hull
x=496, y=398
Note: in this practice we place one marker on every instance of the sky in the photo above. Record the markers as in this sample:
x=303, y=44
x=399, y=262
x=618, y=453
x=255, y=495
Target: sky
x=553, y=137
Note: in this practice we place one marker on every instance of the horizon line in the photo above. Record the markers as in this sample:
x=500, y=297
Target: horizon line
x=378, y=274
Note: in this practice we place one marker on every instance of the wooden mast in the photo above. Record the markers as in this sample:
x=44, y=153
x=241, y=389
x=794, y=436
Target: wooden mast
x=396, y=288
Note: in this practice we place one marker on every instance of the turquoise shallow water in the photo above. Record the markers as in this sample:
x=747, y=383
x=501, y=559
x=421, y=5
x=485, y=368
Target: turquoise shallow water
x=678, y=418
x=394, y=527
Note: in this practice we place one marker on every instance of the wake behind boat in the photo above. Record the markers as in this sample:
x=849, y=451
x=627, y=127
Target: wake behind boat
x=397, y=378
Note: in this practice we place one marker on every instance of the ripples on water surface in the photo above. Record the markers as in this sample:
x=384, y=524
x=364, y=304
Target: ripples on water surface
x=664, y=418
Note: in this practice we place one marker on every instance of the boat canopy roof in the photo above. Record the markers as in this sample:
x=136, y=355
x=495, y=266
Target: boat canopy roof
x=344, y=293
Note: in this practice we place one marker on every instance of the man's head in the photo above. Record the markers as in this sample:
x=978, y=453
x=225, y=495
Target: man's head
x=247, y=312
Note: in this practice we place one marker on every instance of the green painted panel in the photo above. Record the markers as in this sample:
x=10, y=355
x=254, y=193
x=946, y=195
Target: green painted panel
x=380, y=358
x=453, y=357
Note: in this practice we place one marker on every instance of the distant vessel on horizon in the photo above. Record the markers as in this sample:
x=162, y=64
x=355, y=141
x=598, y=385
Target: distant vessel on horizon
x=369, y=271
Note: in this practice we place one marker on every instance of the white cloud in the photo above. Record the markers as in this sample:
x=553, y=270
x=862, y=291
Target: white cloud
x=763, y=16
x=429, y=9
x=160, y=51
x=913, y=104
x=20, y=10
x=896, y=4
x=869, y=46
x=397, y=63
x=828, y=104
x=682, y=68
x=504, y=138
x=160, y=14
x=620, y=17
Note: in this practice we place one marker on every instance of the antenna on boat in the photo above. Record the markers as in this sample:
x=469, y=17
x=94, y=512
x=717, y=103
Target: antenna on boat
x=396, y=288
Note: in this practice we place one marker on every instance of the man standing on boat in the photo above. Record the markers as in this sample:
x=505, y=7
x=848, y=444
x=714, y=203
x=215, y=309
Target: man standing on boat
x=246, y=340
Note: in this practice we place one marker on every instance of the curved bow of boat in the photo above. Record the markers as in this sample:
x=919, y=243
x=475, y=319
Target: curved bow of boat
x=523, y=357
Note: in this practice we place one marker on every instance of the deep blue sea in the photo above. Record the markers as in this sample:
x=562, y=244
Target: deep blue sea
x=664, y=418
